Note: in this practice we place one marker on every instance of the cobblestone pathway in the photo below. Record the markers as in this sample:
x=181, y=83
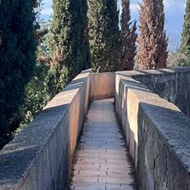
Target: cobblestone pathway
x=101, y=160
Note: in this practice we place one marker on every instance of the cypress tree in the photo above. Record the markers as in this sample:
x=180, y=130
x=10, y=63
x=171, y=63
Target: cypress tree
x=185, y=37
x=128, y=38
x=152, y=40
x=70, y=47
x=103, y=34
x=17, y=58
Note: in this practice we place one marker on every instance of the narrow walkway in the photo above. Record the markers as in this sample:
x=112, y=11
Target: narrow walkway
x=101, y=160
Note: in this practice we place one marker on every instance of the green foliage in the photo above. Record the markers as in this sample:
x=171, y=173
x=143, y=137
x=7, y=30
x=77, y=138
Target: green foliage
x=185, y=37
x=63, y=52
x=128, y=39
x=103, y=34
x=178, y=58
x=17, y=59
x=69, y=47
x=56, y=80
x=35, y=94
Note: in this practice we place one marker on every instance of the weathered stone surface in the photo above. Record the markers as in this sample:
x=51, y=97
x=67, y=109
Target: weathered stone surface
x=40, y=157
x=157, y=133
x=172, y=84
x=103, y=85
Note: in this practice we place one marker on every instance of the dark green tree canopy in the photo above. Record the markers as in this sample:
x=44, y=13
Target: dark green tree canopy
x=70, y=46
x=103, y=34
x=17, y=58
x=185, y=37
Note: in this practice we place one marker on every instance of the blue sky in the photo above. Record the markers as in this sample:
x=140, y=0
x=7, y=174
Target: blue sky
x=174, y=11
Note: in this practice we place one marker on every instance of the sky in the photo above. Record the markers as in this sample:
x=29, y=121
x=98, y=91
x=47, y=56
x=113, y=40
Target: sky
x=174, y=12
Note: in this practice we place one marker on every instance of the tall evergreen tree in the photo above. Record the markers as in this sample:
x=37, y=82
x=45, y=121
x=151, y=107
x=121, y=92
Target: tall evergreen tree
x=128, y=38
x=17, y=58
x=185, y=37
x=103, y=34
x=70, y=47
x=152, y=40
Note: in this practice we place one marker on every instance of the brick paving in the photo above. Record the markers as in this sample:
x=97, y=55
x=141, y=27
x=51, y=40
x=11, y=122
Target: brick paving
x=101, y=160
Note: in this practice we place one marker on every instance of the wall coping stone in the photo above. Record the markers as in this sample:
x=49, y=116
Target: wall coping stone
x=171, y=123
x=19, y=156
x=138, y=73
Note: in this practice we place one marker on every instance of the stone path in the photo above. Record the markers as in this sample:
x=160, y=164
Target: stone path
x=101, y=160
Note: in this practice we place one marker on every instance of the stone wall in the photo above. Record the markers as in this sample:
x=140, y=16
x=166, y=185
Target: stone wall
x=40, y=157
x=172, y=84
x=157, y=134
x=103, y=85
